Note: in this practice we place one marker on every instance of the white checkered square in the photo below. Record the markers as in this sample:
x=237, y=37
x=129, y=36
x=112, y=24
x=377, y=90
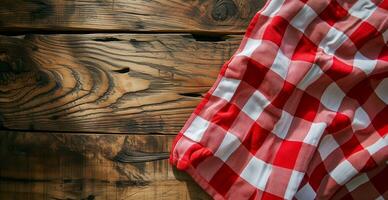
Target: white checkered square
x=226, y=88
x=306, y=192
x=280, y=64
x=283, y=125
x=312, y=75
x=293, y=184
x=343, y=172
x=362, y=9
x=315, y=132
x=379, y=144
x=365, y=64
x=255, y=105
x=327, y=146
x=197, y=129
x=250, y=47
x=381, y=90
x=333, y=40
x=256, y=173
x=332, y=97
x=361, y=119
x=229, y=144
x=304, y=17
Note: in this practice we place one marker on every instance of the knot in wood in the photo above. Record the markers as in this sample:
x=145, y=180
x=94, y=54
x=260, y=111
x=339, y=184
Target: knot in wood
x=12, y=67
x=16, y=63
x=224, y=9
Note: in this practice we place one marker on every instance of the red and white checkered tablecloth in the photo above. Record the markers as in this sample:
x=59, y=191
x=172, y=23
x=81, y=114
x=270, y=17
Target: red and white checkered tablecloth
x=300, y=111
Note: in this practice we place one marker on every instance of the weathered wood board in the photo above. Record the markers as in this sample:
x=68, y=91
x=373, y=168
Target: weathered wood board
x=116, y=83
x=213, y=16
x=43, y=165
x=92, y=92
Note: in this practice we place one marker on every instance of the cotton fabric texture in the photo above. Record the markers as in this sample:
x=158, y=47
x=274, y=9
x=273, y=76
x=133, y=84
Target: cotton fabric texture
x=300, y=110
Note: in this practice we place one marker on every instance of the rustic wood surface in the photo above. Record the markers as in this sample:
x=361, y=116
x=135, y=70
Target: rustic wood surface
x=215, y=16
x=126, y=83
x=43, y=165
x=143, y=86
x=92, y=92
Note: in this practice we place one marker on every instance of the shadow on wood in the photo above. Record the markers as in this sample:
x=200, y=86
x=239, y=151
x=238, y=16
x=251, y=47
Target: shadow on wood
x=78, y=166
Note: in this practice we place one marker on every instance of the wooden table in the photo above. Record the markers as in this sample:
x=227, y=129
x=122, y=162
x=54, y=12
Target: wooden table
x=92, y=92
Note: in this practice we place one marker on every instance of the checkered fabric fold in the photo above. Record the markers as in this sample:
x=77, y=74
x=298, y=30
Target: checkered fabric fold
x=300, y=111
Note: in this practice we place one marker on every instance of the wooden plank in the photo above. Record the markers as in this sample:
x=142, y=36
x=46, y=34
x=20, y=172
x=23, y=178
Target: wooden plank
x=213, y=16
x=44, y=165
x=118, y=83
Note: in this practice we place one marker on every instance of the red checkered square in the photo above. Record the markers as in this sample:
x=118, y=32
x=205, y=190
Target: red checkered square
x=338, y=69
x=276, y=29
x=308, y=107
x=380, y=123
x=223, y=179
x=255, y=138
x=255, y=72
x=289, y=149
x=305, y=50
x=351, y=147
x=333, y=13
x=283, y=95
x=317, y=176
x=361, y=91
x=225, y=116
x=300, y=111
x=363, y=34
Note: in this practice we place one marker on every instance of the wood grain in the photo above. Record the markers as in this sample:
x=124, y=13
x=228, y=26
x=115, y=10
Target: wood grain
x=93, y=116
x=43, y=165
x=117, y=83
x=212, y=16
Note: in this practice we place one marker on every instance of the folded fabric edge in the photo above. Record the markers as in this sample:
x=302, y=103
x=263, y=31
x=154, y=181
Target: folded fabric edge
x=185, y=165
x=185, y=162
